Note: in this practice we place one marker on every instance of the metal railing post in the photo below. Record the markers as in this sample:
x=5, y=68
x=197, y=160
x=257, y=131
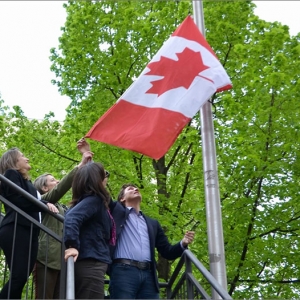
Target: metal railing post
x=70, y=286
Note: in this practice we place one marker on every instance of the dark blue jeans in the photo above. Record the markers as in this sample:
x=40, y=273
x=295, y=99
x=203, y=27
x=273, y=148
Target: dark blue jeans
x=128, y=282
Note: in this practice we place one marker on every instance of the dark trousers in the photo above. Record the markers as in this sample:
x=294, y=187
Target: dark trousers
x=21, y=261
x=89, y=279
x=47, y=282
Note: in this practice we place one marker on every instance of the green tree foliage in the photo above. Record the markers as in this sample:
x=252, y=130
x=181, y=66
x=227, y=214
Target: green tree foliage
x=38, y=140
x=104, y=46
x=258, y=127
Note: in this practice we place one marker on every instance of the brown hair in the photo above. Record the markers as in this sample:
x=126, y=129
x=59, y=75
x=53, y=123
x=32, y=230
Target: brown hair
x=9, y=160
x=123, y=188
x=88, y=181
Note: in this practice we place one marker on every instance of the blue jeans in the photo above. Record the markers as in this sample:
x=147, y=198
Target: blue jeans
x=128, y=282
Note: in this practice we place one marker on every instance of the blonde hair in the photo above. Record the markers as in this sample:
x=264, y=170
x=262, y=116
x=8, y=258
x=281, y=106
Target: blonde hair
x=41, y=182
x=9, y=160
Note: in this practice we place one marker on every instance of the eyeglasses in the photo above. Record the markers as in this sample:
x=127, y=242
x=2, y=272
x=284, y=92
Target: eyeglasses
x=107, y=174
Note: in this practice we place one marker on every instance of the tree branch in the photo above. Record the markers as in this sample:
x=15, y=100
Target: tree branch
x=55, y=152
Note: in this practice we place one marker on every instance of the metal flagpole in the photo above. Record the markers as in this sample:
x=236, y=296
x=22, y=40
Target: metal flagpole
x=211, y=181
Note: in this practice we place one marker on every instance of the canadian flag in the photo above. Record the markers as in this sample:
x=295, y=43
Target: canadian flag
x=152, y=112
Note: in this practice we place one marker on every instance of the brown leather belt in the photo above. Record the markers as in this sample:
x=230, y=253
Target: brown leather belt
x=142, y=265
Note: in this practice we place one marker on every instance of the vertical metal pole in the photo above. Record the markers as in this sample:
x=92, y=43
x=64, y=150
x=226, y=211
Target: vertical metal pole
x=70, y=288
x=211, y=181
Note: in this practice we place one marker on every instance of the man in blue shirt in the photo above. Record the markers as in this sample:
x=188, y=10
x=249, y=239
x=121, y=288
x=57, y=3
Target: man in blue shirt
x=133, y=271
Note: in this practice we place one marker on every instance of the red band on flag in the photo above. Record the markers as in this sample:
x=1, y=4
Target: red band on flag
x=145, y=130
x=179, y=79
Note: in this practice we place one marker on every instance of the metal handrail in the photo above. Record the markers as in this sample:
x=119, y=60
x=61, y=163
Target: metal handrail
x=41, y=226
x=32, y=199
x=189, y=256
x=187, y=259
x=31, y=219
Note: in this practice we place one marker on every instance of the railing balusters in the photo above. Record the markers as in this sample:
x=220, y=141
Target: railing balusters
x=29, y=290
x=194, y=289
x=180, y=286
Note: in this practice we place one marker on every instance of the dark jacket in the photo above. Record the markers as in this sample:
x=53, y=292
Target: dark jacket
x=20, y=201
x=157, y=237
x=88, y=229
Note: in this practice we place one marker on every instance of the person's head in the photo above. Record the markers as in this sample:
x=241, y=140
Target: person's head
x=88, y=180
x=15, y=159
x=45, y=183
x=128, y=194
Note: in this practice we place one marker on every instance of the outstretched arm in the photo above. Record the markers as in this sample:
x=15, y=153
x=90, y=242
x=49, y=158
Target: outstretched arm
x=65, y=184
x=55, y=194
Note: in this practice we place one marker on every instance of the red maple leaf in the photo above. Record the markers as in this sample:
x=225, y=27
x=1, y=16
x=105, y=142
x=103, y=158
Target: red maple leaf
x=177, y=73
